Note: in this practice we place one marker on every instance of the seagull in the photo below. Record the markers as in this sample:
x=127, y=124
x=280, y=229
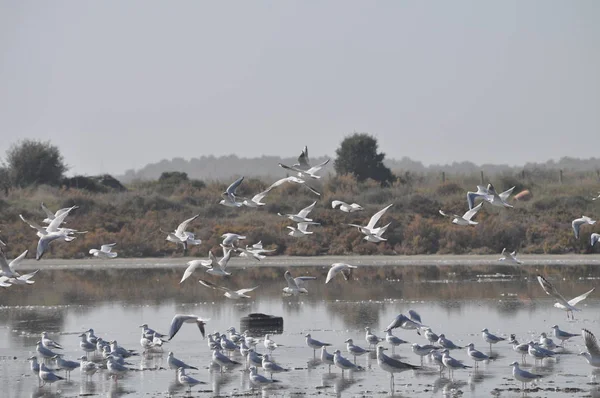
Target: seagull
x=509, y=257
x=67, y=366
x=187, y=380
x=176, y=364
x=256, y=199
x=181, y=236
x=373, y=234
x=522, y=348
x=301, y=230
x=448, y=344
x=229, y=193
x=256, y=249
x=315, y=344
x=52, y=232
x=402, y=321
x=180, y=319
x=294, y=180
x=257, y=379
x=466, y=218
x=303, y=162
x=301, y=216
x=306, y=173
x=394, y=340
x=522, y=375
x=231, y=294
x=489, y=195
x=47, y=376
x=231, y=239
x=392, y=365
x=85, y=345
x=45, y=352
x=370, y=338
x=593, y=354
x=422, y=350
x=104, y=252
x=538, y=352
x=596, y=197
x=223, y=361
x=429, y=335
x=270, y=344
x=326, y=357
x=490, y=338
x=452, y=363
x=9, y=276
x=354, y=349
x=546, y=342
x=87, y=367
x=296, y=285
x=578, y=222
x=594, y=238
x=562, y=303
x=562, y=335
x=49, y=343
x=414, y=315
x=51, y=216
x=249, y=253
x=343, y=363
x=345, y=207
x=114, y=367
x=476, y=355
x=345, y=269
x=271, y=367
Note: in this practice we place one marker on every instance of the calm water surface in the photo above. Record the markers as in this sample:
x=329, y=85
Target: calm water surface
x=456, y=300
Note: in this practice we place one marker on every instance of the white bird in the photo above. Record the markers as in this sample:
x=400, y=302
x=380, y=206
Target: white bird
x=404, y=322
x=354, y=350
x=371, y=338
x=269, y=343
x=522, y=348
x=176, y=364
x=422, y=350
x=547, y=342
x=596, y=197
x=593, y=351
x=295, y=180
x=315, y=344
x=392, y=365
x=88, y=368
x=562, y=303
x=8, y=274
x=67, y=366
x=594, y=238
x=257, y=379
x=49, y=343
x=231, y=239
x=446, y=343
x=343, y=363
x=326, y=357
x=296, y=285
x=522, y=375
x=104, y=252
x=183, y=237
x=394, y=341
x=256, y=249
x=490, y=338
x=269, y=366
x=187, y=380
x=490, y=195
x=245, y=252
x=256, y=200
x=452, y=363
x=114, y=367
x=562, y=335
x=509, y=257
x=476, y=355
x=345, y=207
x=222, y=360
x=231, y=294
x=306, y=173
x=345, y=269
x=52, y=232
x=229, y=194
x=301, y=230
x=373, y=234
x=466, y=218
x=180, y=319
x=47, y=376
x=51, y=216
x=578, y=222
x=301, y=216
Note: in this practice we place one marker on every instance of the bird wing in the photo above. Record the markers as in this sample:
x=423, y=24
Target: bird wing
x=32, y=224
x=377, y=216
x=303, y=158
x=259, y=196
x=4, y=264
x=337, y=203
x=192, y=265
x=14, y=263
x=313, y=190
x=590, y=342
x=304, y=212
x=398, y=364
x=550, y=289
x=414, y=315
x=504, y=195
x=244, y=291
x=318, y=167
x=43, y=244
x=594, y=238
x=292, y=284
x=213, y=286
x=231, y=189
x=300, y=280
x=443, y=214
x=574, y=301
x=58, y=220
x=176, y=324
x=47, y=211
x=225, y=259
x=106, y=248
x=279, y=182
x=470, y=213
x=302, y=226
x=183, y=226
x=293, y=168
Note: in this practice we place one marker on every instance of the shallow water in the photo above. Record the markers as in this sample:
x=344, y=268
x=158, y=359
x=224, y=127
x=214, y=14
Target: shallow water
x=456, y=300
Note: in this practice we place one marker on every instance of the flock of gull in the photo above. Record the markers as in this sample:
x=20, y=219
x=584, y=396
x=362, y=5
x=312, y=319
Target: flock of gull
x=231, y=349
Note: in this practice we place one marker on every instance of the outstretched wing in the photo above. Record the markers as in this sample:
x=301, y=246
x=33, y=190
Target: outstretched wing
x=47, y=211
x=551, y=290
x=107, y=248
x=469, y=214
x=183, y=226
x=14, y=263
x=377, y=216
x=213, y=286
x=32, y=224
x=290, y=280
x=259, y=196
x=338, y=203
x=590, y=342
x=318, y=167
x=303, y=159
x=58, y=220
x=231, y=189
x=504, y=195
x=244, y=291
x=304, y=212
x=300, y=280
x=577, y=299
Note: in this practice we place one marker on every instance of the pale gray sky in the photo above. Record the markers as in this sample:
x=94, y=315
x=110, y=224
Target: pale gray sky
x=118, y=84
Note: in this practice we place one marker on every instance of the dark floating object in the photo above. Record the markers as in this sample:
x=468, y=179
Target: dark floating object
x=259, y=324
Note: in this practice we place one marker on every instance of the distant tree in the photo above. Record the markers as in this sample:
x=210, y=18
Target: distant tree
x=173, y=177
x=34, y=162
x=357, y=155
x=4, y=180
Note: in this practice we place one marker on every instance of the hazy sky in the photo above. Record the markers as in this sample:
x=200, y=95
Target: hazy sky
x=118, y=84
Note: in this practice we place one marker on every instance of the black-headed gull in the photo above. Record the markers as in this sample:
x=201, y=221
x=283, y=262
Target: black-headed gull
x=306, y=173
x=578, y=222
x=183, y=237
x=180, y=319
x=296, y=285
x=522, y=375
x=562, y=303
x=230, y=191
x=301, y=230
x=392, y=365
x=231, y=239
x=231, y=294
x=302, y=214
x=295, y=180
x=345, y=269
x=465, y=219
x=345, y=207
x=374, y=234
x=51, y=216
x=186, y=380
x=509, y=257
x=104, y=252
x=489, y=195
x=256, y=199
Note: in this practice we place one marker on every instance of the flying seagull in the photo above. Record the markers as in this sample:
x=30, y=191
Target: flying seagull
x=295, y=180
x=466, y=218
x=180, y=319
x=345, y=269
x=232, y=294
x=489, y=195
x=183, y=237
x=509, y=257
x=562, y=303
x=104, y=252
x=374, y=234
x=578, y=222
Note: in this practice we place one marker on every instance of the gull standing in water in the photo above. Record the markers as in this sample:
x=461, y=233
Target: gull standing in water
x=47, y=376
x=466, y=218
x=562, y=303
x=578, y=222
x=315, y=344
x=546, y=342
x=354, y=349
x=296, y=285
x=522, y=348
x=231, y=294
x=562, y=335
x=345, y=269
x=371, y=338
x=183, y=237
x=593, y=351
x=476, y=355
x=522, y=375
x=490, y=338
x=394, y=341
x=422, y=350
x=509, y=257
x=49, y=343
x=257, y=379
x=187, y=380
x=177, y=364
x=343, y=363
x=448, y=344
x=104, y=252
x=452, y=363
x=392, y=365
x=374, y=234
x=180, y=319
x=326, y=357
x=271, y=367
x=345, y=207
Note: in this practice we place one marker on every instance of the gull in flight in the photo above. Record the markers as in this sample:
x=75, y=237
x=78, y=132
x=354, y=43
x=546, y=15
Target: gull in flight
x=180, y=319
x=255, y=250
x=183, y=237
x=214, y=267
x=51, y=216
x=51, y=232
x=466, y=218
x=594, y=238
x=593, y=351
x=562, y=303
x=249, y=252
x=294, y=180
x=490, y=195
x=522, y=375
x=345, y=269
x=231, y=240
x=578, y=222
x=509, y=257
x=231, y=294
x=301, y=230
x=296, y=285
x=229, y=198
x=256, y=200
x=345, y=207
x=8, y=275
x=306, y=173
x=404, y=322
x=596, y=197
x=301, y=216
x=104, y=252
x=374, y=234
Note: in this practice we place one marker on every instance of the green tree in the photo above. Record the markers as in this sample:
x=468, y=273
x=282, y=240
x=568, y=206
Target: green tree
x=357, y=155
x=35, y=162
